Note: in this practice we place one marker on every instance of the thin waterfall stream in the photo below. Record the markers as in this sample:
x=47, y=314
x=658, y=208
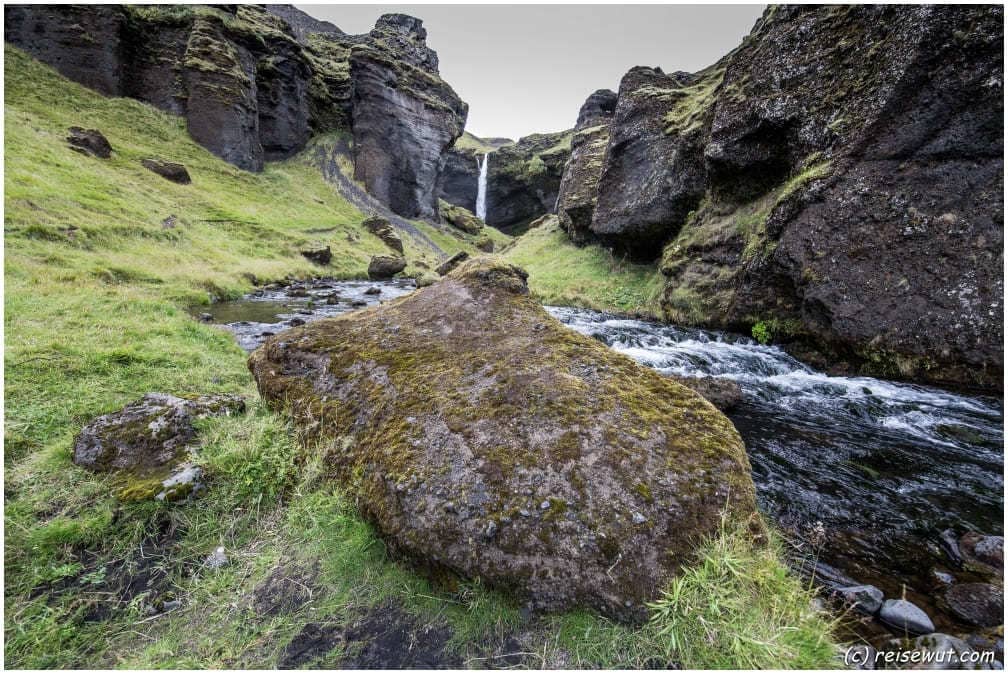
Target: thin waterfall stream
x=481, y=189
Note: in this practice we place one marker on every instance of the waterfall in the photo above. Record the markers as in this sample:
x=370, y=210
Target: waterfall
x=481, y=190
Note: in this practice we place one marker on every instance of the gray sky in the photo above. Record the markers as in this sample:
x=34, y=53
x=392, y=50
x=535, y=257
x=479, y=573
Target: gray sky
x=528, y=68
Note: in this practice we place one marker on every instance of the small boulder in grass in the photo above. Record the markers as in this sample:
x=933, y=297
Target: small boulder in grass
x=91, y=142
x=385, y=267
x=168, y=170
x=148, y=443
x=319, y=255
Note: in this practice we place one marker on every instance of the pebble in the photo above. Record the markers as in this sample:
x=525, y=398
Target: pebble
x=544, y=505
x=942, y=577
x=216, y=559
x=638, y=518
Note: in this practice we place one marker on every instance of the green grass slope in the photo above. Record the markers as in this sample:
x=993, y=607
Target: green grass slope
x=561, y=273
x=96, y=301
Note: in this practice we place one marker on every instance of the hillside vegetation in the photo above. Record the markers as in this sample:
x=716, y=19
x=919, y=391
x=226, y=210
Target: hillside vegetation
x=561, y=273
x=98, y=294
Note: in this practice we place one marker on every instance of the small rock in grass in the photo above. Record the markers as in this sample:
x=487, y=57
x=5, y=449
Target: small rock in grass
x=168, y=170
x=89, y=142
x=216, y=559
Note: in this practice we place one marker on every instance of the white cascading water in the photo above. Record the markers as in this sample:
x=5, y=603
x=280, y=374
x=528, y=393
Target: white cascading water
x=481, y=190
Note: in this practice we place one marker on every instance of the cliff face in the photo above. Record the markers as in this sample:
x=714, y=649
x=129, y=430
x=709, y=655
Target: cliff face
x=523, y=179
x=254, y=83
x=460, y=177
x=837, y=179
x=404, y=116
x=578, y=190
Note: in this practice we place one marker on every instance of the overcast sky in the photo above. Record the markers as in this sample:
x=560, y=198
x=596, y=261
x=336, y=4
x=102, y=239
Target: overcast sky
x=528, y=68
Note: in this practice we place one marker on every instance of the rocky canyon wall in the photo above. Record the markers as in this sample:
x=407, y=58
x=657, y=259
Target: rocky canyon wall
x=255, y=83
x=836, y=180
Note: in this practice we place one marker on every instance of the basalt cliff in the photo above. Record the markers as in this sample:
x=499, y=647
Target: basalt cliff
x=255, y=83
x=834, y=183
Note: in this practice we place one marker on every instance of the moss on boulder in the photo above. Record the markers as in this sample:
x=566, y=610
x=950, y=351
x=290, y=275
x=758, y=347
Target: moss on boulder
x=482, y=436
x=459, y=217
x=148, y=443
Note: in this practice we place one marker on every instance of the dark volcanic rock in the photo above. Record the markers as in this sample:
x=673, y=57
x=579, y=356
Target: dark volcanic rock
x=254, y=82
x=404, y=116
x=579, y=186
x=302, y=25
x=651, y=180
x=452, y=262
x=384, y=230
x=385, y=266
x=89, y=141
x=454, y=409
x=168, y=170
x=523, y=179
x=837, y=177
x=223, y=110
x=282, y=82
x=322, y=256
x=82, y=42
x=459, y=181
x=148, y=433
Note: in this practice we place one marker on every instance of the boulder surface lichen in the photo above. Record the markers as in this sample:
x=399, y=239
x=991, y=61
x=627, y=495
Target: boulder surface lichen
x=482, y=436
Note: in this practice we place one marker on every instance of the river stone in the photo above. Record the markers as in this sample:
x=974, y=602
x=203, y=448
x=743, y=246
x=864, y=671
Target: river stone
x=148, y=433
x=469, y=392
x=865, y=598
x=905, y=616
x=724, y=394
x=385, y=266
x=978, y=604
x=987, y=550
x=941, y=651
x=89, y=142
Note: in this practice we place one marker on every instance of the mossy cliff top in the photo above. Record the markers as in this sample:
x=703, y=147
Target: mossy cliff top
x=482, y=436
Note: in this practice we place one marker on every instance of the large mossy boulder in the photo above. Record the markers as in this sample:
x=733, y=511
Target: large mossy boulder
x=482, y=436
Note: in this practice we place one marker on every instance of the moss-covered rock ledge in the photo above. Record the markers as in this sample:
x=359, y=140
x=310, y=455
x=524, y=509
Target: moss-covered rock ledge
x=483, y=437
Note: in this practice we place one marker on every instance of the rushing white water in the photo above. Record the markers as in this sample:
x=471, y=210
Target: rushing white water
x=884, y=465
x=481, y=190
